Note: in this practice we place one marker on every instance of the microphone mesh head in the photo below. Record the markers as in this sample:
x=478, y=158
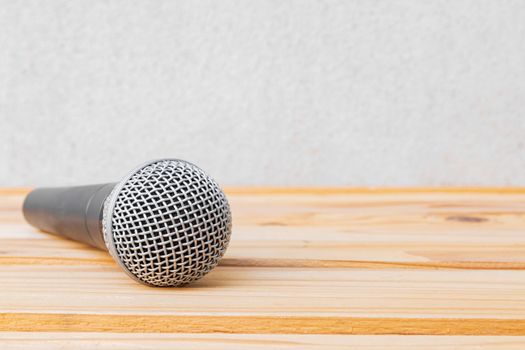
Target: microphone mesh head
x=167, y=224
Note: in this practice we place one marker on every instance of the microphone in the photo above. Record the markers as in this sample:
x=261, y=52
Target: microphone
x=167, y=223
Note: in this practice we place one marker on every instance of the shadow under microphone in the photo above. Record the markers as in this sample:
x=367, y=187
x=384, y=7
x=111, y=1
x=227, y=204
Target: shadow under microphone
x=167, y=223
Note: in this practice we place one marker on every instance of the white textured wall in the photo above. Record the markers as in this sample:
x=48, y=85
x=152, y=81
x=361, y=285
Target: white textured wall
x=380, y=93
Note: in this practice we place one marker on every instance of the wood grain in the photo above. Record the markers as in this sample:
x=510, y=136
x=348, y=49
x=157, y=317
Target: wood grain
x=39, y=322
x=272, y=292
x=111, y=341
x=338, y=262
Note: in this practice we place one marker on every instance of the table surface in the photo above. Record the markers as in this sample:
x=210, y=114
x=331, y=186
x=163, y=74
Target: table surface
x=306, y=268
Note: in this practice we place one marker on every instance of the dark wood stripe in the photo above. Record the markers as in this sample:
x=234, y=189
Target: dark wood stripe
x=56, y=322
x=288, y=263
x=307, y=263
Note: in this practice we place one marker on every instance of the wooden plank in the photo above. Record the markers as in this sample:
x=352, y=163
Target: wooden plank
x=111, y=341
x=39, y=322
x=271, y=293
x=418, y=230
x=301, y=261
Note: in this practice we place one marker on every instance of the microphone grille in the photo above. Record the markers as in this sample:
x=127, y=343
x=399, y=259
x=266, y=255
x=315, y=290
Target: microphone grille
x=167, y=224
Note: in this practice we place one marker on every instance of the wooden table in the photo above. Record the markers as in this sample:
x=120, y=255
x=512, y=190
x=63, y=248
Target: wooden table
x=306, y=268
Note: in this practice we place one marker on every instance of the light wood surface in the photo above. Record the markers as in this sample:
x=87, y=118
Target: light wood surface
x=189, y=341
x=306, y=268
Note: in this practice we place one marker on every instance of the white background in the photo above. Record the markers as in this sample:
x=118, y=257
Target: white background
x=355, y=93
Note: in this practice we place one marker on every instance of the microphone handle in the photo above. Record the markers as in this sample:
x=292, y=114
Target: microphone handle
x=70, y=212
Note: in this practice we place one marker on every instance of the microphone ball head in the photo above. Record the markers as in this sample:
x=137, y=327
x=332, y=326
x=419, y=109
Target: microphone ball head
x=167, y=223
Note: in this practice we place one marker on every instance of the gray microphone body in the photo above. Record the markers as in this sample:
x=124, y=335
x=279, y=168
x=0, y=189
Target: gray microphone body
x=71, y=212
x=167, y=223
